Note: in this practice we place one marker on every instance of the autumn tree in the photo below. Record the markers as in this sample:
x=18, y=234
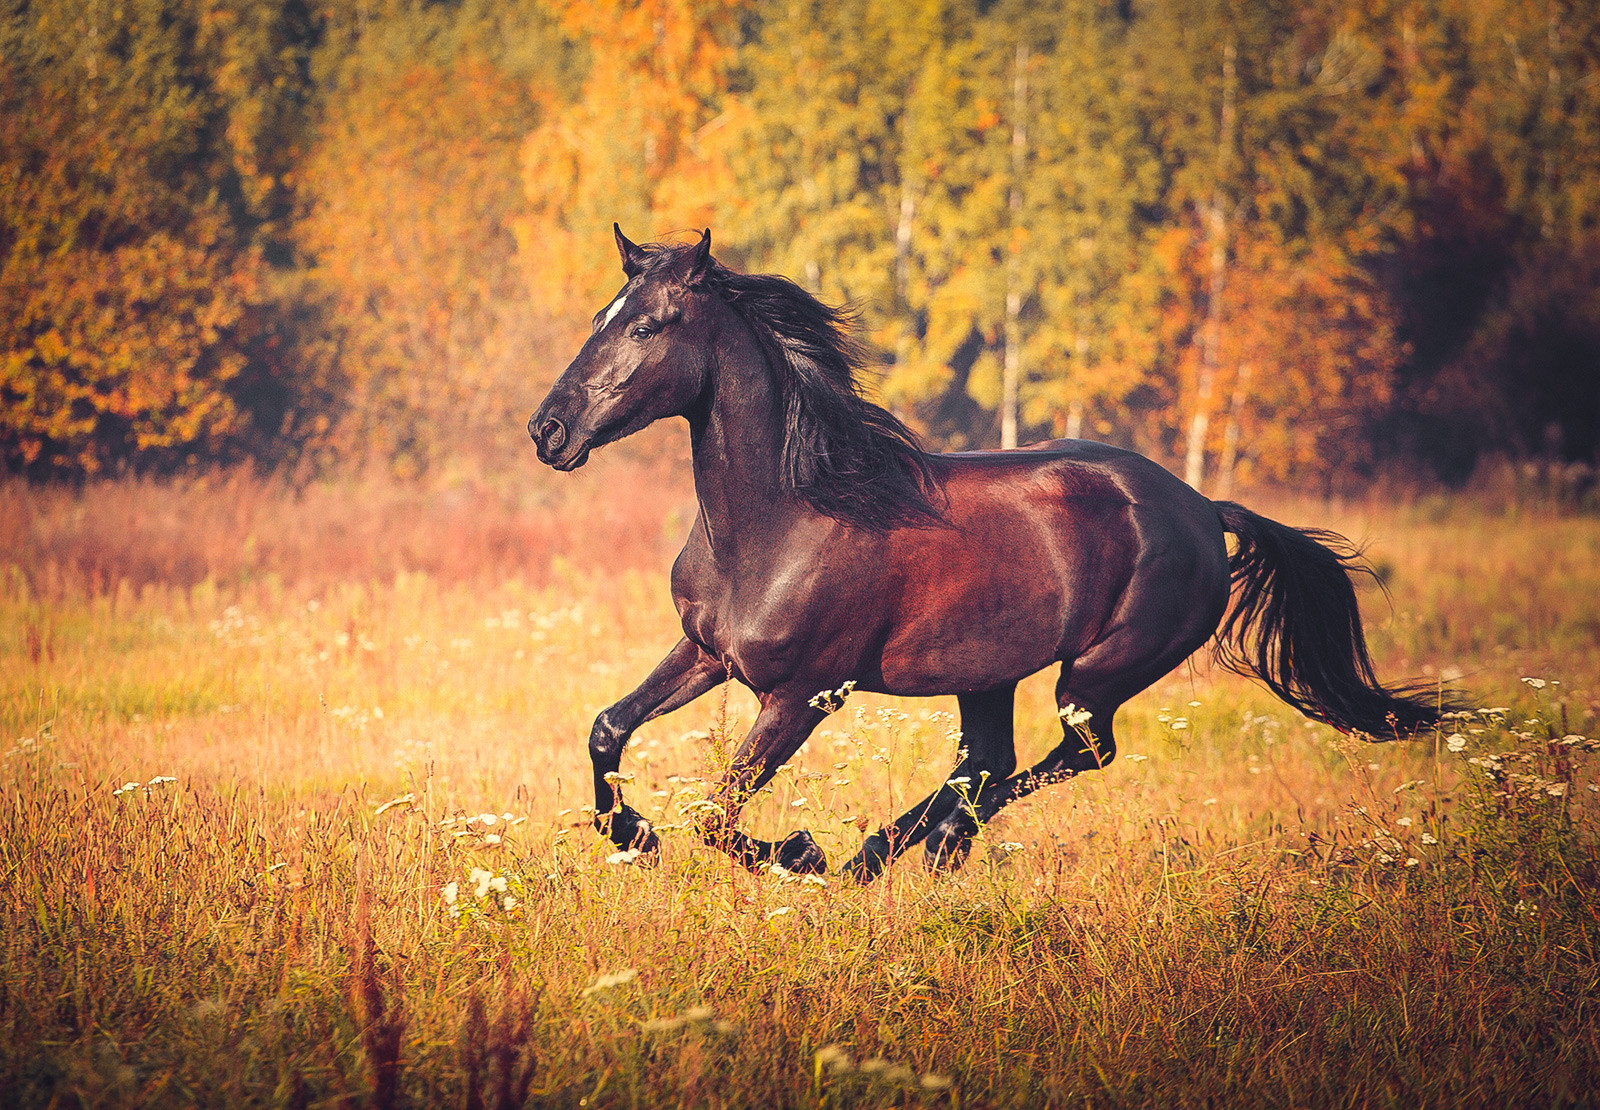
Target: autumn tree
x=637, y=144
x=409, y=194
x=141, y=157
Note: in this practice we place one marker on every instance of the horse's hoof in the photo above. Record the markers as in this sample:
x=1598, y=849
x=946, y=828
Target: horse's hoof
x=799, y=853
x=869, y=863
x=626, y=828
x=946, y=853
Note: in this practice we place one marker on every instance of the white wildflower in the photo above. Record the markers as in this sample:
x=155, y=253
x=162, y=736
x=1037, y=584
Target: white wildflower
x=606, y=982
x=1456, y=742
x=1073, y=716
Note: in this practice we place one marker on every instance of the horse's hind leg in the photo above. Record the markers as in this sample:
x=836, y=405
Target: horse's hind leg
x=988, y=758
x=1088, y=694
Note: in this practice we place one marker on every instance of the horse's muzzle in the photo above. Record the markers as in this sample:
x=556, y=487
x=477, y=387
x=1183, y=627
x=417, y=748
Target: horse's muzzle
x=554, y=443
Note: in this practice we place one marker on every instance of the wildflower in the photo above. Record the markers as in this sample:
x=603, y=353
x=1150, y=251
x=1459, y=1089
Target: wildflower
x=781, y=911
x=813, y=880
x=487, y=820
x=624, y=857
x=126, y=788
x=1142, y=758
x=1556, y=789
x=830, y=700
x=402, y=800
x=450, y=892
x=1456, y=742
x=1178, y=724
x=498, y=884
x=1535, y=683
x=509, y=902
x=1412, y=861
x=1403, y=822
x=1384, y=858
x=1009, y=846
x=798, y=803
x=606, y=982
x=1429, y=838
x=1209, y=802
x=933, y=1081
x=617, y=777
x=832, y=1056
x=491, y=839
x=958, y=782
x=481, y=880
x=161, y=780
x=1073, y=716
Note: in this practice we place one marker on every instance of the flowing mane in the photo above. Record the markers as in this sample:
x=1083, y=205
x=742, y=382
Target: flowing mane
x=849, y=458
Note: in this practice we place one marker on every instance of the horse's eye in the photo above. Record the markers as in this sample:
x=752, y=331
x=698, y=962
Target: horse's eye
x=641, y=331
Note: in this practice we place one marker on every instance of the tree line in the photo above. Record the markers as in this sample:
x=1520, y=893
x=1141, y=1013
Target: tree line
x=1261, y=240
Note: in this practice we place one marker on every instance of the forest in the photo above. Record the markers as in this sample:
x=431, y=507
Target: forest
x=1306, y=242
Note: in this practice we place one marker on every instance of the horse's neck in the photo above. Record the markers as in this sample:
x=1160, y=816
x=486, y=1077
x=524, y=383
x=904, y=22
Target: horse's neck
x=738, y=446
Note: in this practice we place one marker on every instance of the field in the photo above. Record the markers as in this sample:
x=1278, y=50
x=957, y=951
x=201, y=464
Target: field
x=291, y=813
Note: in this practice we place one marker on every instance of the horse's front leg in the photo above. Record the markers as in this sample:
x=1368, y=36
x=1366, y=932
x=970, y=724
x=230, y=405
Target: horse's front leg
x=785, y=720
x=685, y=674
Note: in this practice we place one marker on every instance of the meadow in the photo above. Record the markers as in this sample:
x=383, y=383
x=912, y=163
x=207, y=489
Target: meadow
x=292, y=813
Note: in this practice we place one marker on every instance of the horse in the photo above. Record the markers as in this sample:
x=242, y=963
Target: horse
x=831, y=552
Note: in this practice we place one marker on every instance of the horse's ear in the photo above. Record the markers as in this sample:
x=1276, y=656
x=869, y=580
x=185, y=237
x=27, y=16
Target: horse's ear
x=699, y=260
x=632, y=254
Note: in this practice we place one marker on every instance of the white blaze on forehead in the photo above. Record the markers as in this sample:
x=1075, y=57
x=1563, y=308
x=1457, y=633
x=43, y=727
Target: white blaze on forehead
x=615, y=310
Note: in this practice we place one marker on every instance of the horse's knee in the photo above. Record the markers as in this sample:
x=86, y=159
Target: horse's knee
x=607, y=738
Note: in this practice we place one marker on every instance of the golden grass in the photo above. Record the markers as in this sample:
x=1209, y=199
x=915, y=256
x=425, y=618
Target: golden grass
x=1233, y=919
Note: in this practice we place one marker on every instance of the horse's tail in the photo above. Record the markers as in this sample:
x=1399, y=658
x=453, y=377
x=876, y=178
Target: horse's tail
x=1296, y=626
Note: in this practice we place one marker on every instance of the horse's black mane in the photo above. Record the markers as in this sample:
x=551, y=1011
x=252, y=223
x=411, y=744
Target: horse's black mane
x=849, y=458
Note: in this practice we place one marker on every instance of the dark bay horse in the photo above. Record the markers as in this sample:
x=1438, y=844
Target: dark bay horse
x=829, y=548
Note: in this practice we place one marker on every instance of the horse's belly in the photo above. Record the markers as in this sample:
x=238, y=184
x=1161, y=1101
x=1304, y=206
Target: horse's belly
x=960, y=655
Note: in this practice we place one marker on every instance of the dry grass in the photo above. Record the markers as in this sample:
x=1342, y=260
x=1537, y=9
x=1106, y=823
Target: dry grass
x=1256, y=912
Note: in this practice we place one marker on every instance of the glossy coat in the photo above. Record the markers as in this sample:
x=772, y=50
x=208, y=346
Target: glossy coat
x=829, y=549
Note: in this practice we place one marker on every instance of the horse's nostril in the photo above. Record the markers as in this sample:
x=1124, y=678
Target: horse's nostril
x=552, y=434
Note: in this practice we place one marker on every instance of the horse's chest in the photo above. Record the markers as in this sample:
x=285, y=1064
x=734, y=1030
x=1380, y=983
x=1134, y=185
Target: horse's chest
x=767, y=631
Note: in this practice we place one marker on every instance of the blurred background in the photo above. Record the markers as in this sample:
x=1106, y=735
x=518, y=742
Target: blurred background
x=1320, y=243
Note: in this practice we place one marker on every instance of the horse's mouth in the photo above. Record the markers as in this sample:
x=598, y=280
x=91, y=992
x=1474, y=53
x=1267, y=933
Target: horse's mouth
x=565, y=462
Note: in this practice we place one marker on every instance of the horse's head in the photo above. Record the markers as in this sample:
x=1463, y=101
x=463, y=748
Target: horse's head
x=646, y=358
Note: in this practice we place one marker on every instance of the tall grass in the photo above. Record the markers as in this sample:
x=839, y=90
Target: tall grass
x=308, y=828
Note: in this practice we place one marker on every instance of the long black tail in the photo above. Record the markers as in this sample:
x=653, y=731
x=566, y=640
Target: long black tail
x=1296, y=626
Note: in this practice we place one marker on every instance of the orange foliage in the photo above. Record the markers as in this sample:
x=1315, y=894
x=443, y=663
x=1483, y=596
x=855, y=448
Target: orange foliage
x=123, y=299
x=638, y=145
x=411, y=190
